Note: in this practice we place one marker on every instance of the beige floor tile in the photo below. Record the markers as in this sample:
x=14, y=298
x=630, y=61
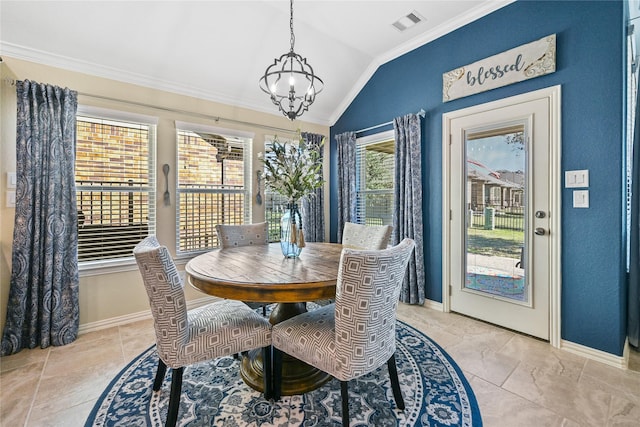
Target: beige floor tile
x=541, y=355
x=616, y=381
x=17, y=389
x=501, y=408
x=136, y=338
x=562, y=395
x=23, y=358
x=623, y=413
x=86, y=353
x=83, y=384
x=75, y=416
x=483, y=362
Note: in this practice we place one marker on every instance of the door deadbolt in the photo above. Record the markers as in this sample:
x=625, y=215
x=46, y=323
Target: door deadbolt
x=539, y=231
x=540, y=214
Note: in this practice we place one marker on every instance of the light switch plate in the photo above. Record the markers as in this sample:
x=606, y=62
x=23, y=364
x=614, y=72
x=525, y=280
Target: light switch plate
x=581, y=199
x=11, y=199
x=576, y=179
x=11, y=180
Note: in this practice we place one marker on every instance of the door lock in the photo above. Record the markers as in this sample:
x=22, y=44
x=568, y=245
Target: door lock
x=540, y=214
x=539, y=231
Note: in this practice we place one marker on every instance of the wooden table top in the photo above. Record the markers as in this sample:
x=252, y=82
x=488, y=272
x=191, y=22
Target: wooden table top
x=260, y=273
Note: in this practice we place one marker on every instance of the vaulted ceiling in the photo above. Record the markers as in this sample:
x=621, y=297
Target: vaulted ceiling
x=218, y=50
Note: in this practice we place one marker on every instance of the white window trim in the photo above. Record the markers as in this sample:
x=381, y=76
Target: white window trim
x=123, y=116
x=376, y=137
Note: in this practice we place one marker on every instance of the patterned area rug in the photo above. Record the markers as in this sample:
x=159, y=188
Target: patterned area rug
x=434, y=389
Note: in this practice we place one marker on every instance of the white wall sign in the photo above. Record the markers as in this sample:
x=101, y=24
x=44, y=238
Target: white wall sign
x=521, y=63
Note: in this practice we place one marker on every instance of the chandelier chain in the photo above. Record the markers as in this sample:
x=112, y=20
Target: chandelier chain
x=293, y=38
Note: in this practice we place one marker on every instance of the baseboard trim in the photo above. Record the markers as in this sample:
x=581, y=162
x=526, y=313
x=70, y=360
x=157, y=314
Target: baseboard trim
x=134, y=317
x=434, y=305
x=621, y=362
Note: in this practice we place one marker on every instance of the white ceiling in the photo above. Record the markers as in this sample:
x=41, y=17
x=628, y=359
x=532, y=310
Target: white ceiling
x=218, y=50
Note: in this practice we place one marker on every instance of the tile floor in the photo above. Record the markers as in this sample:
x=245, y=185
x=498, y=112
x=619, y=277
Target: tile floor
x=518, y=381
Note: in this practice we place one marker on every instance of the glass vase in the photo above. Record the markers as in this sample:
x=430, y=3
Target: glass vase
x=291, y=235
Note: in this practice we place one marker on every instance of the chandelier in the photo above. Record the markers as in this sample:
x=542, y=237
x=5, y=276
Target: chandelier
x=290, y=81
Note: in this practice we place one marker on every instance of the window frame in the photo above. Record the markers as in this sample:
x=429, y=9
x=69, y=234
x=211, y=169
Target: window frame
x=362, y=142
x=248, y=138
x=112, y=265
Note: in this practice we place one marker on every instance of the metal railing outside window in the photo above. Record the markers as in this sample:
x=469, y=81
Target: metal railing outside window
x=115, y=187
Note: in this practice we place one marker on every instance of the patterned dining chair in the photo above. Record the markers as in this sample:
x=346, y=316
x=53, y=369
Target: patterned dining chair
x=357, y=334
x=185, y=337
x=361, y=236
x=230, y=236
x=358, y=236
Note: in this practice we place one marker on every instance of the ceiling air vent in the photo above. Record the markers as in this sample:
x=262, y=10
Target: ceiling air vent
x=408, y=21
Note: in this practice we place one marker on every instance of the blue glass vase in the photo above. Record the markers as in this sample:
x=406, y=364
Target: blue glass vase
x=291, y=236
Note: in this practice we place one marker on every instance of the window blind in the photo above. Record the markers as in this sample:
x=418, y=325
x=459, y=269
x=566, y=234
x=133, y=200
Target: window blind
x=115, y=187
x=212, y=186
x=375, y=170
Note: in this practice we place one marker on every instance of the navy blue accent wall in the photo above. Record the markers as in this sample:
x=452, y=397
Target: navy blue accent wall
x=590, y=57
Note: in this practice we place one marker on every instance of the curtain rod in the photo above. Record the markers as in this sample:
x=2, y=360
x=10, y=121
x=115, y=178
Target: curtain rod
x=421, y=113
x=175, y=110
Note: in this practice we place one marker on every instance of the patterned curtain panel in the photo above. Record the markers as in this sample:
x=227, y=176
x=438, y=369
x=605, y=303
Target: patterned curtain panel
x=312, y=208
x=407, y=221
x=633, y=319
x=43, y=297
x=346, y=179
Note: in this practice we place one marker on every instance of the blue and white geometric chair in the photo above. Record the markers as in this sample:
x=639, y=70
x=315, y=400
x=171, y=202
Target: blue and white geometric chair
x=184, y=337
x=356, y=334
x=359, y=236
x=231, y=236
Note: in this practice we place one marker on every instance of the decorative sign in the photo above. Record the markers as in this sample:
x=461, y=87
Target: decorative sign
x=521, y=63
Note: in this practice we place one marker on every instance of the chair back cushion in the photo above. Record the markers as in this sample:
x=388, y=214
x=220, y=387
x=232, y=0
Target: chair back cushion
x=242, y=235
x=166, y=297
x=367, y=296
x=360, y=236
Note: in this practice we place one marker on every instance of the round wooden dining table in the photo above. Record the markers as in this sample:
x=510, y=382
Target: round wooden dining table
x=260, y=273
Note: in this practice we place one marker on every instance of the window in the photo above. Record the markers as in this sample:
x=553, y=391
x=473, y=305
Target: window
x=375, y=170
x=212, y=187
x=115, y=186
x=274, y=205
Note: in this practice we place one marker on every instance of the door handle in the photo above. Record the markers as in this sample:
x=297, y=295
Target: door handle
x=539, y=231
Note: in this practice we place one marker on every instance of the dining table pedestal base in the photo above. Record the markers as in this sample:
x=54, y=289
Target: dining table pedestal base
x=297, y=376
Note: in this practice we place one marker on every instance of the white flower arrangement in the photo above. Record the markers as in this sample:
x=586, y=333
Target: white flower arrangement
x=293, y=169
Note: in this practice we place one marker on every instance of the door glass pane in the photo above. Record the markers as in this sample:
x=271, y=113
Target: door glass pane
x=496, y=213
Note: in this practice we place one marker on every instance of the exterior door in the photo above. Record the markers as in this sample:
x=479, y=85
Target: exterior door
x=500, y=208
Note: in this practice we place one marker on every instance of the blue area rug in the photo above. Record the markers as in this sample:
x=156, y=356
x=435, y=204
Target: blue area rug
x=435, y=392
